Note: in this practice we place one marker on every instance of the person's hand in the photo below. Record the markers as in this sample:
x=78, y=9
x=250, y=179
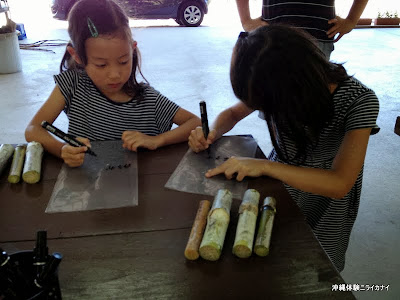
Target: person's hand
x=242, y=166
x=341, y=27
x=132, y=140
x=74, y=156
x=252, y=24
x=197, y=142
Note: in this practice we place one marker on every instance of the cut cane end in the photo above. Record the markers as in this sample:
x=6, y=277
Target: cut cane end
x=31, y=177
x=13, y=178
x=191, y=254
x=210, y=252
x=261, y=250
x=242, y=251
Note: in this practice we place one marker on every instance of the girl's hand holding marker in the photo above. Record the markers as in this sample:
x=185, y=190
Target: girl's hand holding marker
x=197, y=141
x=74, y=156
x=72, y=153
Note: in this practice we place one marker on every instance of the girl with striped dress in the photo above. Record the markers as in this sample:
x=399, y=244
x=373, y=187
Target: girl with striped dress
x=319, y=119
x=98, y=90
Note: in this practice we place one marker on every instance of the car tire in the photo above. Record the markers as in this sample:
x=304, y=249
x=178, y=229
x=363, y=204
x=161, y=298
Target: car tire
x=191, y=14
x=179, y=21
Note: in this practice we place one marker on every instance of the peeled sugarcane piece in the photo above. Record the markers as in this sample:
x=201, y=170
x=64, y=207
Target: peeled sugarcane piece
x=33, y=162
x=6, y=150
x=217, y=224
x=196, y=235
x=263, y=239
x=17, y=164
x=246, y=227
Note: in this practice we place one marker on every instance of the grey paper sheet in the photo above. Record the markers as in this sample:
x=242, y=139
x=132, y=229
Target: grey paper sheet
x=189, y=175
x=94, y=185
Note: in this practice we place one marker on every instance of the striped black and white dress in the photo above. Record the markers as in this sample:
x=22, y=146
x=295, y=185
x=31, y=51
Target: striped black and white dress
x=331, y=220
x=94, y=116
x=309, y=15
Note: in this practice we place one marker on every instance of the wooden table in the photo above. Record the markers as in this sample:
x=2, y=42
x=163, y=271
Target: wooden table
x=137, y=252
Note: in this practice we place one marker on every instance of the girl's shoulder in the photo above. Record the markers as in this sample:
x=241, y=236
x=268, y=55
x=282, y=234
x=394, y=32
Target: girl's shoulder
x=352, y=91
x=150, y=93
x=153, y=97
x=72, y=81
x=354, y=87
x=71, y=76
x=357, y=105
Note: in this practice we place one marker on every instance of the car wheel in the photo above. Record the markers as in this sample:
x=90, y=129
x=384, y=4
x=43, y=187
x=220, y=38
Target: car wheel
x=191, y=14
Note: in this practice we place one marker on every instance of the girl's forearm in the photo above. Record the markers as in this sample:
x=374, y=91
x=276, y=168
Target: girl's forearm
x=335, y=182
x=178, y=134
x=38, y=134
x=227, y=119
x=222, y=124
x=326, y=183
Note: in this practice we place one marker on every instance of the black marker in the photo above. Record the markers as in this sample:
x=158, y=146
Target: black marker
x=41, y=251
x=70, y=139
x=204, y=121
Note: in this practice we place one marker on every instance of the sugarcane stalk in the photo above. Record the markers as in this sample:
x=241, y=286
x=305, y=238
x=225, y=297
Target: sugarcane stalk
x=248, y=211
x=33, y=162
x=217, y=225
x=196, y=234
x=263, y=239
x=17, y=164
x=6, y=151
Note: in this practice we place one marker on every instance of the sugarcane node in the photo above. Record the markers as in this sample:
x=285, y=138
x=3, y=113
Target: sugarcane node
x=263, y=239
x=267, y=207
x=248, y=211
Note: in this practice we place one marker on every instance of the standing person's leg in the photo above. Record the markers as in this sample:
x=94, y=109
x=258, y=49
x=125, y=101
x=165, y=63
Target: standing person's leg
x=327, y=48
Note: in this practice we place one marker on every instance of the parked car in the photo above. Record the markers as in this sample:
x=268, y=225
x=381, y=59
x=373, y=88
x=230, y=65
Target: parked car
x=184, y=12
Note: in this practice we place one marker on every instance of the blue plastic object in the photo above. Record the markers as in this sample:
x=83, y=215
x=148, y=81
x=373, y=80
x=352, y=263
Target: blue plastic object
x=21, y=29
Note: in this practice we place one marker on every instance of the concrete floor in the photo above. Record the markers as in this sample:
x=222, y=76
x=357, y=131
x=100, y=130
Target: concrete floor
x=192, y=64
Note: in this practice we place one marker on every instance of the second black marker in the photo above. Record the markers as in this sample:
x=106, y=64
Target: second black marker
x=204, y=121
x=65, y=137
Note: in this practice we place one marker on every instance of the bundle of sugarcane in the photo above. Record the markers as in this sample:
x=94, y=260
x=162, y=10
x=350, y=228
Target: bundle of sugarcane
x=216, y=221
